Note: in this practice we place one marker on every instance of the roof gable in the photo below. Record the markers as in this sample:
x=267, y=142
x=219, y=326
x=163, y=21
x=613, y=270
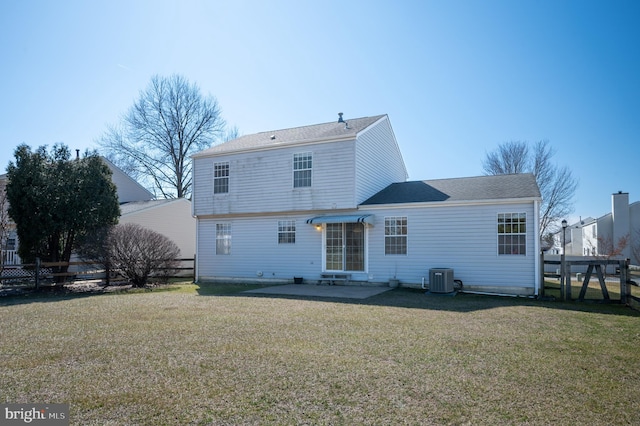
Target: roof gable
x=128, y=188
x=335, y=130
x=479, y=188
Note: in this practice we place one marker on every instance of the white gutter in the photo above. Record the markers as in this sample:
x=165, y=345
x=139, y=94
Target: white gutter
x=456, y=203
x=204, y=154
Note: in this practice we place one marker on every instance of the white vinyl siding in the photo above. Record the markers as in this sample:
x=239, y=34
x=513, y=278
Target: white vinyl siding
x=440, y=238
x=262, y=182
x=342, y=174
x=256, y=250
x=378, y=161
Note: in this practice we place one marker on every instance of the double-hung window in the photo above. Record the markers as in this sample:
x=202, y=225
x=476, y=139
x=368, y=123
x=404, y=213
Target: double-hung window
x=512, y=233
x=302, y=166
x=221, y=178
x=286, y=232
x=223, y=238
x=395, y=235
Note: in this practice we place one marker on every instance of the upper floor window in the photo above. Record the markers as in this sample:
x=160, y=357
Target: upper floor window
x=512, y=233
x=286, y=232
x=221, y=178
x=302, y=164
x=223, y=238
x=395, y=235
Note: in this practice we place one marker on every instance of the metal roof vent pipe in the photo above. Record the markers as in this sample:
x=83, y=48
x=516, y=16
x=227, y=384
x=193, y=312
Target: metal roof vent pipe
x=340, y=120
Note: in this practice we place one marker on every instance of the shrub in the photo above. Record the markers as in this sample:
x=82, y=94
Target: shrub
x=139, y=253
x=94, y=247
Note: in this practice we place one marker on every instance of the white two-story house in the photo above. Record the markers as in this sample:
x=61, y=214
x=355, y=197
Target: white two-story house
x=333, y=198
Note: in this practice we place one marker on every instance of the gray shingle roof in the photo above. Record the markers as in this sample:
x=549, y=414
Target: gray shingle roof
x=459, y=189
x=277, y=138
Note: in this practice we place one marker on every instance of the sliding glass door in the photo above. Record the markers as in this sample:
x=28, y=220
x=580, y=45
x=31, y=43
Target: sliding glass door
x=344, y=247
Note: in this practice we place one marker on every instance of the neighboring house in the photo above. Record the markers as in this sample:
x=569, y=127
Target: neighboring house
x=128, y=188
x=596, y=237
x=169, y=217
x=8, y=232
x=332, y=198
x=172, y=218
x=575, y=243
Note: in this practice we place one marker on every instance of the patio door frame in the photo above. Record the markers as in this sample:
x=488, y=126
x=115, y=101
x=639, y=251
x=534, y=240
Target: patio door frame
x=347, y=232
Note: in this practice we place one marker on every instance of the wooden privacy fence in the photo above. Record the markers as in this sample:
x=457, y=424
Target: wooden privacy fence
x=76, y=271
x=593, y=268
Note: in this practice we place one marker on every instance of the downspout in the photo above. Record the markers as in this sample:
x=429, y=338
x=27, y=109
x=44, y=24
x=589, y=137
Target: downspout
x=196, y=272
x=536, y=244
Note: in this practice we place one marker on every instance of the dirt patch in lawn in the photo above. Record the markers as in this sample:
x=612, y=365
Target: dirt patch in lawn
x=76, y=287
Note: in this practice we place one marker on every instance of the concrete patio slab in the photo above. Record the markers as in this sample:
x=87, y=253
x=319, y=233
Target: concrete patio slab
x=332, y=291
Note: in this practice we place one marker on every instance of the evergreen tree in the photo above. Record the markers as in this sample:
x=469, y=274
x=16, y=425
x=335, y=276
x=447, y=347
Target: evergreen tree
x=55, y=200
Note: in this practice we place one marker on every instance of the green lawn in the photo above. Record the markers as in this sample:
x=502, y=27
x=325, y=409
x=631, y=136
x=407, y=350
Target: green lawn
x=211, y=355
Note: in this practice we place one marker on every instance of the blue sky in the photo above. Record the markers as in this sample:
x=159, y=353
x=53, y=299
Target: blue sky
x=457, y=78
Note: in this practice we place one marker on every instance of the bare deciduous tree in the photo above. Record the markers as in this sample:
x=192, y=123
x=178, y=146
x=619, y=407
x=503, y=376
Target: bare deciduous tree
x=169, y=122
x=231, y=133
x=557, y=184
x=610, y=249
x=635, y=247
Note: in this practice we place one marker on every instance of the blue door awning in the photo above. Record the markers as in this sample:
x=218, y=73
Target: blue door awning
x=348, y=218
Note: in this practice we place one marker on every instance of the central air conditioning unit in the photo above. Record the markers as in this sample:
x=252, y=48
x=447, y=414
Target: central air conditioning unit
x=441, y=280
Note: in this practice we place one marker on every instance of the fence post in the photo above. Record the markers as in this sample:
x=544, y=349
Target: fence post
x=624, y=277
x=567, y=281
x=541, y=274
x=37, y=272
